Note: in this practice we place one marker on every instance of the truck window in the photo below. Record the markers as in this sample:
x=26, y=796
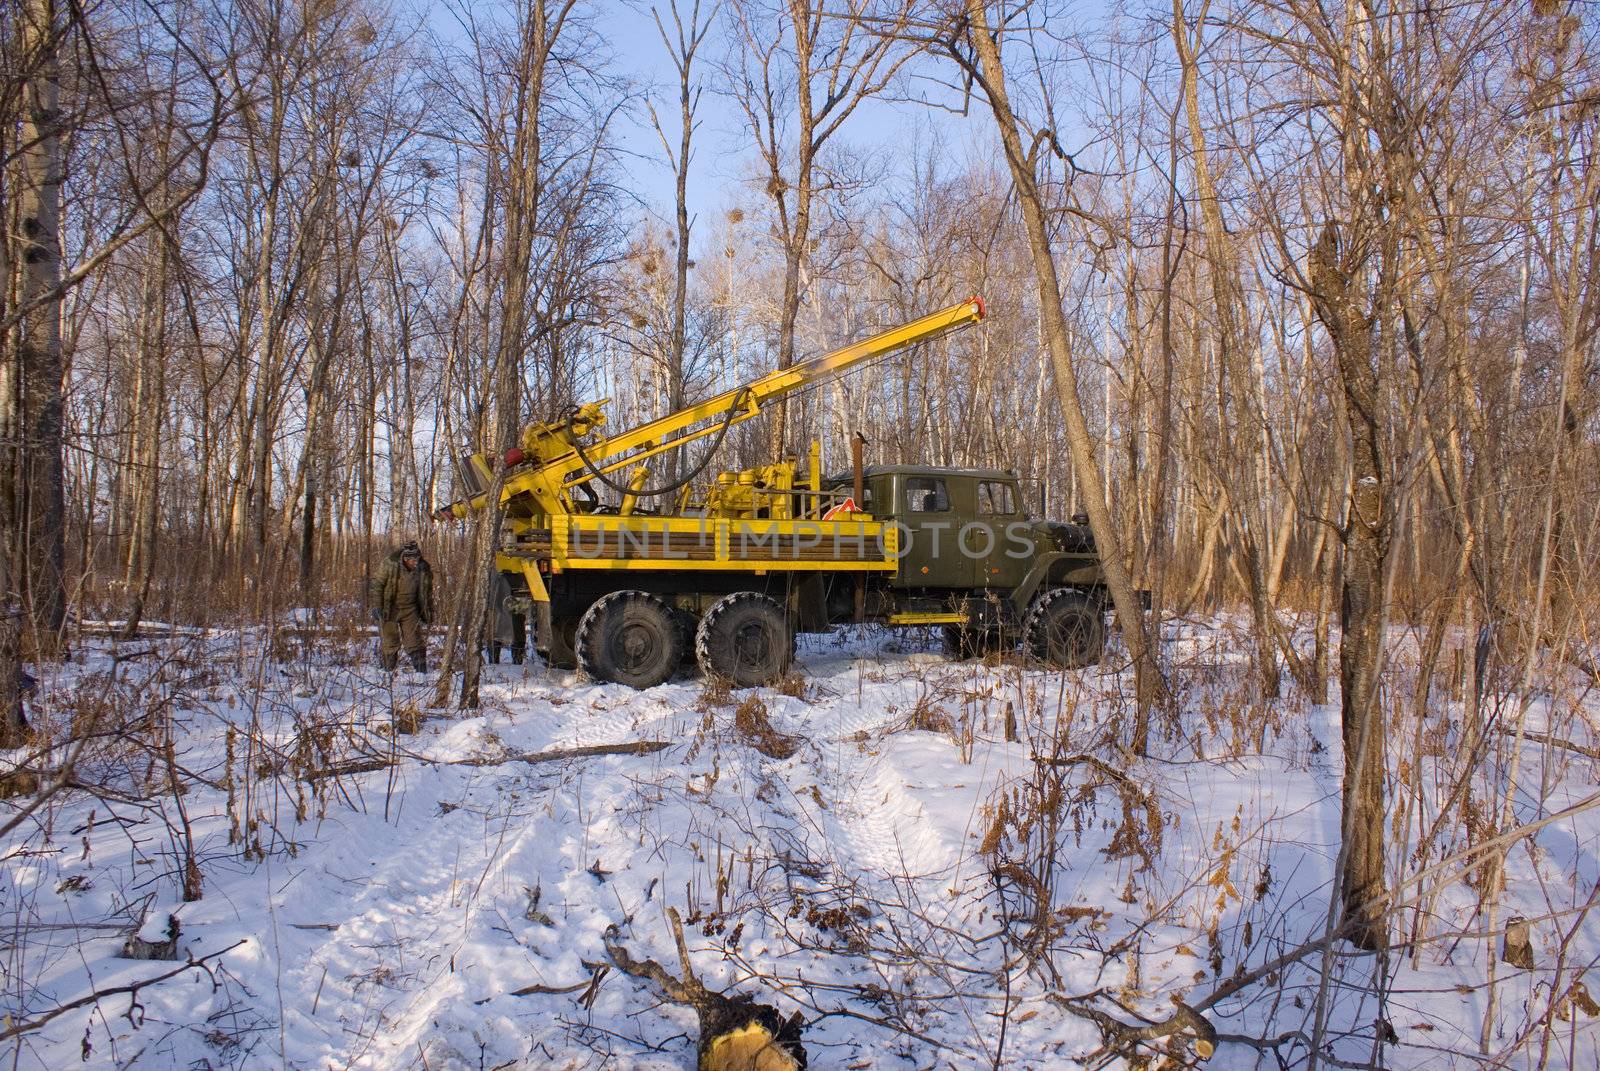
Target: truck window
x=926, y=494
x=996, y=498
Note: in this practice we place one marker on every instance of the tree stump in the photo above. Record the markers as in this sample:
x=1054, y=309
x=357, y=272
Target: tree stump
x=1517, y=948
x=165, y=947
x=736, y=1033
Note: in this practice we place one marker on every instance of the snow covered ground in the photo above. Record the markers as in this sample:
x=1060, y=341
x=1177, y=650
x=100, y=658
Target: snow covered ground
x=927, y=893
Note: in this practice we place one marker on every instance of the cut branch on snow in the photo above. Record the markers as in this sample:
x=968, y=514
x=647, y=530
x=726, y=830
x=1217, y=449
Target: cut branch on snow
x=132, y=989
x=637, y=747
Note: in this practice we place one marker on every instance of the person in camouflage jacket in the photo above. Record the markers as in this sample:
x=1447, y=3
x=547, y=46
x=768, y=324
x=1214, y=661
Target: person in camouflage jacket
x=401, y=600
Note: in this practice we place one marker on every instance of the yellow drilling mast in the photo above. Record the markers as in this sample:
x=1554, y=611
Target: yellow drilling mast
x=552, y=460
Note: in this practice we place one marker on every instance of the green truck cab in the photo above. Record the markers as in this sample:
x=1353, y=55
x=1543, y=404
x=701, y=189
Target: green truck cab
x=972, y=561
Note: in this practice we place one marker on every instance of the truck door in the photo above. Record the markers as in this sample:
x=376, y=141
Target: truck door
x=930, y=557
x=989, y=539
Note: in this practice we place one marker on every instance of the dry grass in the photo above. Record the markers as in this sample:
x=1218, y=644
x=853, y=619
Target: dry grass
x=751, y=723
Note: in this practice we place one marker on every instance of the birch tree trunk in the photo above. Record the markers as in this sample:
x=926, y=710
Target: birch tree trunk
x=1023, y=165
x=1362, y=603
x=40, y=507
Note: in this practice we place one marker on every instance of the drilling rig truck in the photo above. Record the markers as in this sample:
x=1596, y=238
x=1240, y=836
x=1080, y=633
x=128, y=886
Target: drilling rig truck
x=727, y=570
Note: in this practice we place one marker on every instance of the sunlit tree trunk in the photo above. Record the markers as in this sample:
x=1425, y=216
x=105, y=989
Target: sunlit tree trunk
x=1023, y=165
x=39, y=505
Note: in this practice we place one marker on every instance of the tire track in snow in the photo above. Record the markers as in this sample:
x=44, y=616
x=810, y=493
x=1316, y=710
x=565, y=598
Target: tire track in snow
x=614, y=714
x=394, y=965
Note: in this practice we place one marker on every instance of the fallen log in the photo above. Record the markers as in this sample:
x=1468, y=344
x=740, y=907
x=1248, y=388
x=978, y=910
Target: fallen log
x=1184, y=1027
x=736, y=1034
x=635, y=747
x=1551, y=740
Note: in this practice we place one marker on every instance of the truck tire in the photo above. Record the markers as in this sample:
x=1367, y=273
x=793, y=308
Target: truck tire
x=629, y=637
x=1064, y=629
x=562, y=653
x=961, y=642
x=744, y=638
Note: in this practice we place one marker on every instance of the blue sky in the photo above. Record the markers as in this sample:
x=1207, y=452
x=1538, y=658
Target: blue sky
x=724, y=158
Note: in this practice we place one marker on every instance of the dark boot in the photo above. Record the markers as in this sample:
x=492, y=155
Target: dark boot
x=494, y=654
x=517, y=655
x=387, y=659
x=419, y=661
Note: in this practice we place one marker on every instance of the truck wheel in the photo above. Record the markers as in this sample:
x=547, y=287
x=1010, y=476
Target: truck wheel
x=629, y=637
x=744, y=638
x=1064, y=629
x=961, y=642
x=562, y=653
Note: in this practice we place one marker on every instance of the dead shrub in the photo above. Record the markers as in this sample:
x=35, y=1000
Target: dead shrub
x=408, y=720
x=929, y=717
x=792, y=685
x=997, y=828
x=716, y=692
x=19, y=782
x=750, y=722
x=100, y=705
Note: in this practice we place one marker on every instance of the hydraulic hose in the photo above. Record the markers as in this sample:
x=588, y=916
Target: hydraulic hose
x=651, y=492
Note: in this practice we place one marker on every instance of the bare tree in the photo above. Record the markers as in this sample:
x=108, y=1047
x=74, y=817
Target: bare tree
x=36, y=505
x=799, y=71
x=682, y=45
x=1243, y=438
x=987, y=71
x=541, y=112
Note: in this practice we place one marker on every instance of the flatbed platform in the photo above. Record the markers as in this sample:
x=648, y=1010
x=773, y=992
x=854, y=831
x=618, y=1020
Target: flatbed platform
x=613, y=542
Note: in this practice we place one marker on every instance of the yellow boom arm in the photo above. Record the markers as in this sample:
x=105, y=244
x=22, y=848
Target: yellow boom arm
x=549, y=463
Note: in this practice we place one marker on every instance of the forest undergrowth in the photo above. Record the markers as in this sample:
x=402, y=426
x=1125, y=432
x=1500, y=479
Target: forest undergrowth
x=252, y=849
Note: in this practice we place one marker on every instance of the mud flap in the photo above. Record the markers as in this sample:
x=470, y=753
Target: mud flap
x=810, y=604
